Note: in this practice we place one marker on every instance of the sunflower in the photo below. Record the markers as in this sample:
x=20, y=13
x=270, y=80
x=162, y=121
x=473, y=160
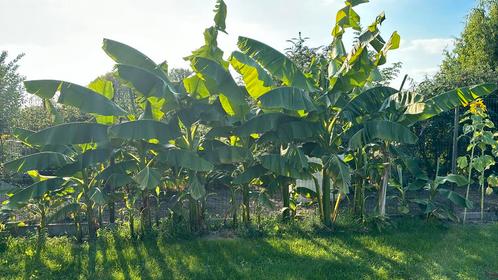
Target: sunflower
x=477, y=107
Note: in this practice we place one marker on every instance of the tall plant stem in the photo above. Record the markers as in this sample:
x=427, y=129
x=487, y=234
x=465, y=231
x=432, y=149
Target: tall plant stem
x=326, y=198
x=146, y=221
x=319, y=197
x=286, y=201
x=132, y=224
x=468, y=184
x=43, y=223
x=245, y=202
x=336, y=207
x=482, y=195
x=111, y=202
x=92, y=233
x=233, y=201
x=385, y=181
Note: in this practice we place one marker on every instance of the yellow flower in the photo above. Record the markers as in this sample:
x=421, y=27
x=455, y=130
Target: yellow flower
x=477, y=107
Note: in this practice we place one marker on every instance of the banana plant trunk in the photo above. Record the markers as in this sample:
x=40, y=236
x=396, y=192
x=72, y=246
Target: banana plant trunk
x=112, y=209
x=383, y=189
x=42, y=229
x=246, y=204
x=319, y=197
x=327, y=221
x=145, y=217
x=132, y=224
x=92, y=232
x=286, y=201
x=358, y=201
x=77, y=226
x=111, y=202
x=195, y=215
x=233, y=201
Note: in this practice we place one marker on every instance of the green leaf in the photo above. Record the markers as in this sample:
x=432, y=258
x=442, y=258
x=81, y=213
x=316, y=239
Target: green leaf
x=196, y=87
x=249, y=174
x=346, y=18
x=393, y=42
x=36, y=190
x=296, y=131
x=459, y=180
x=55, y=115
x=256, y=79
x=146, y=82
x=120, y=168
x=210, y=48
x=119, y=180
x=456, y=198
x=340, y=173
x=148, y=178
x=21, y=133
x=262, y=123
x=102, y=86
x=196, y=188
x=185, y=159
x=219, y=81
x=89, y=158
x=355, y=2
x=106, y=89
x=38, y=161
x=489, y=190
x=462, y=162
x=220, y=153
x=84, y=99
x=145, y=130
x=449, y=100
x=70, y=134
x=483, y=163
x=382, y=130
x=63, y=211
x=289, y=98
x=276, y=63
x=410, y=101
x=97, y=196
x=6, y=188
x=369, y=101
x=493, y=181
x=43, y=88
x=281, y=166
x=220, y=15
x=124, y=54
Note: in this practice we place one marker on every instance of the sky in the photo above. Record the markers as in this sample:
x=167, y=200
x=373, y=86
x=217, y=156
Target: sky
x=62, y=39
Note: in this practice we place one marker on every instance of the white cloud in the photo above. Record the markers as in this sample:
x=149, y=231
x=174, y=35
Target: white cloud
x=434, y=46
x=421, y=57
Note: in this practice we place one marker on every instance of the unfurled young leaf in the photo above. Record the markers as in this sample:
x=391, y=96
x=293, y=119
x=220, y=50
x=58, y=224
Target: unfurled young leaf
x=148, y=178
x=220, y=15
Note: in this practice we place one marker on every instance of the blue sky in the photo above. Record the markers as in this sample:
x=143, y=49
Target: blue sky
x=62, y=39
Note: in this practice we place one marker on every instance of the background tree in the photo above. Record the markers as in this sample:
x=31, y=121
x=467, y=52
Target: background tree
x=473, y=60
x=10, y=96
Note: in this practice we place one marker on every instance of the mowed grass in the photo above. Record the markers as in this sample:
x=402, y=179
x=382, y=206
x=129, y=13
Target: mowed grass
x=411, y=251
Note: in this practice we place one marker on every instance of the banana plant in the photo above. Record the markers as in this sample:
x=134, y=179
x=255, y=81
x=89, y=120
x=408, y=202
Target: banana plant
x=388, y=123
x=170, y=133
x=42, y=198
x=78, y=150
x=431, y=205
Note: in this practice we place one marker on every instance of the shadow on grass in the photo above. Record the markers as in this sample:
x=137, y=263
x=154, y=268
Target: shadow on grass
x=425, y=252
x=155, y=254
x=118, y=246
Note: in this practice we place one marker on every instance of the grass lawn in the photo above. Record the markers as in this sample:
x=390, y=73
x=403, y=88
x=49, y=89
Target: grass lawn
x=412, y=251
